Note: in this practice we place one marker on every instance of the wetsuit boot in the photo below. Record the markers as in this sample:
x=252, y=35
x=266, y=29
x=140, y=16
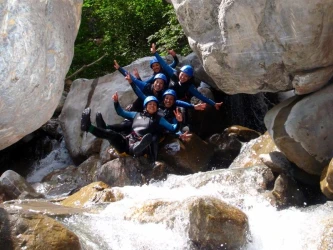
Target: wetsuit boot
x=141, y=145
x=85, y=120
x=100, y=121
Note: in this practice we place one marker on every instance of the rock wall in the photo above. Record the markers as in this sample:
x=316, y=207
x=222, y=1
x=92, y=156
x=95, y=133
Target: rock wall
x=37, y=46
x=261, y=46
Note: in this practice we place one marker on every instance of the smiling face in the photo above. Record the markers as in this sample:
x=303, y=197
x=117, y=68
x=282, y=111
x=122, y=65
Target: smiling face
x=183, y=77
x=169, y=101
x=151, y=107
x=158, y=84
x=156, y=67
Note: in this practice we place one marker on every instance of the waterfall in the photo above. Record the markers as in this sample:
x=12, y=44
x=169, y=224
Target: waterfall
x=58, y=158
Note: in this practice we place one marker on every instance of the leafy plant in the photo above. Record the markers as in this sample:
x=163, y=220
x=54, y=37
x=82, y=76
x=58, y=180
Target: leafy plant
x=123, y=30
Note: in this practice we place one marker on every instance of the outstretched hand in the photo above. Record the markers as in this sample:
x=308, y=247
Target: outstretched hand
x=115, y=97
x=116, y=65
x=178, y=115
x=218, y=105
x=200, y=106
x=186, y=136
x=153, y=48
x=128, y=78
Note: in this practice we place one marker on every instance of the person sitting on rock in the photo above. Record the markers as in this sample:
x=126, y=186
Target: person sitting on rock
x=183, y=82
x=143, y=126
x=156, y=67
x=149, y=89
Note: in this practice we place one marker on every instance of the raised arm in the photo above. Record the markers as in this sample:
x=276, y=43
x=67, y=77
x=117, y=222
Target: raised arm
x=120, y=69
x=200, y=96
x=135, y=88
x=175, y=58
x=120, y=111
x=169, y=70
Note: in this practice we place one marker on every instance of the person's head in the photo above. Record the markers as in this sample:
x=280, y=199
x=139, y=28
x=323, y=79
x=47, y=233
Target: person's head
x=160, y=81
x=155, y=65
x=169, y=98
x=186, y=73
x=150, y=104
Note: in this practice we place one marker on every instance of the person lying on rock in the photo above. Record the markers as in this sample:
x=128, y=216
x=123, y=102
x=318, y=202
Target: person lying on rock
x=156, y=67
x=183, y=82
x=143, y=126
x=156, y=88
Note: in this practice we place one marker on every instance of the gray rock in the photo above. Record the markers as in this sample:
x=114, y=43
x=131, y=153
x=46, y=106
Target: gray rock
x=14, y=185
x=37, y=41
x=301, y=129
x=259, y=46
x=120, y=172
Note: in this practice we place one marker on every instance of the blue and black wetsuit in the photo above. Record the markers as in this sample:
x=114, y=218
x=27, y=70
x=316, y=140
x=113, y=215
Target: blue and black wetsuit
x=185, y=91
x=145, y=87
x=143, y=123
x=172, y=65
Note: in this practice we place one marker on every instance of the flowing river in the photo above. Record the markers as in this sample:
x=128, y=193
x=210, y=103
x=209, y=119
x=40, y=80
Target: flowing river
x=270, y=229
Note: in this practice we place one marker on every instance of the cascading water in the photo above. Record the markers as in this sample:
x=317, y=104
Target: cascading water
x=57, y=159
x=293, y=228
x=270, y=228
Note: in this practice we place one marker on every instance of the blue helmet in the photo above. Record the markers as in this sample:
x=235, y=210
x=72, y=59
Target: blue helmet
x=149, y=99
x=152, y=61
x=161, y=76
x=188, y=70
x=170, y=92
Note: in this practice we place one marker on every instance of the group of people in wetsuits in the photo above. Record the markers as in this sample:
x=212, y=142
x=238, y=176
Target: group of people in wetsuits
x=155, y=112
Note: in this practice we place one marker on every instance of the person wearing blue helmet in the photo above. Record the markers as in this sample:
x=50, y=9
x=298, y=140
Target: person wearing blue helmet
x=155, y=89
x=144, y=124
x=183, y=82
x=156, y=67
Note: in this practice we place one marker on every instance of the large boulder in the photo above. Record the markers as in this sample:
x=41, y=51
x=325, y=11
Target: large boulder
x=14, y=186
x=209, y=222
x=301, y=129
x=34, y=231
x=259, y=46
x=37, y=47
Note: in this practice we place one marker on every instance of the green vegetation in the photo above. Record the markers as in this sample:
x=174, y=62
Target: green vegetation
x=123, y=30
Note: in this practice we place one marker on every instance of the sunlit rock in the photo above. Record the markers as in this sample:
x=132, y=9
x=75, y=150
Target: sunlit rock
x=40, y=206
x=96, y=192
x=249, y=156
x=243, y=134
x=254, y=46
x=13, y=186
x=301, y=129
x=327, y=237
x=37, y=46
x=326, y=181
x=210, y=222
x=34, y=231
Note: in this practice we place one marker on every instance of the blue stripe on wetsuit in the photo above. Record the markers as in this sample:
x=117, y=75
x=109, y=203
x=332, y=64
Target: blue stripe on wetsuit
x=130, y=115
x=191, y=89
